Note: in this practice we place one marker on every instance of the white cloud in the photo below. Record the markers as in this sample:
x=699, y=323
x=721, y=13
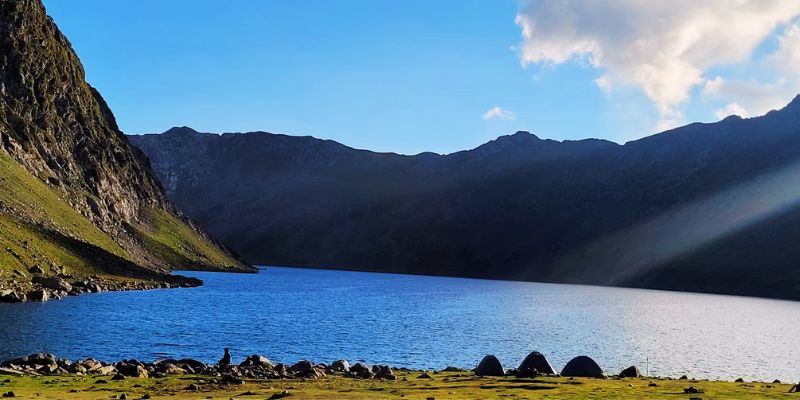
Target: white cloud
x=731, y=109
x=787, y=57
x=663, y=47
x=500, y=113
x=604, y=84
x=750, y=97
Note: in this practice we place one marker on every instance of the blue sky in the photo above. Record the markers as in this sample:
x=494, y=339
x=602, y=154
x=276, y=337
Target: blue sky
x=406, y=76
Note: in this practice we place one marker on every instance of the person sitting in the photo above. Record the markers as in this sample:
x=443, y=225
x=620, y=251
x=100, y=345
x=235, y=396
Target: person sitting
x=226, y=358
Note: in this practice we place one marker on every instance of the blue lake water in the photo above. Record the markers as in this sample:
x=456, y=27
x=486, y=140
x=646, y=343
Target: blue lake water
x=291, y=314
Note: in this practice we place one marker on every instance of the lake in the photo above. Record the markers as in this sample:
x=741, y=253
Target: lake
x=289, y=314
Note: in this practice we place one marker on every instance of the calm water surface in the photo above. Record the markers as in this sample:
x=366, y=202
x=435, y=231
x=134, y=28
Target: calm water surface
x=416, y=321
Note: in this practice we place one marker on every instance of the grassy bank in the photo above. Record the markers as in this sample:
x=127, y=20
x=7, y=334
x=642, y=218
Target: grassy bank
x=42, y=235
x=33, y=216
x=407, y=386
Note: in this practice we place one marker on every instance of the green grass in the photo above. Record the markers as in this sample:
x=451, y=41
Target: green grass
x=40, y=228
x=39, y=218
x=176, y=242
x=443, y=386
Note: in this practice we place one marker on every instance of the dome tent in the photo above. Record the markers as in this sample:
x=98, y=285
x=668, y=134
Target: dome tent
x=582, y=366
x=490, y=366
x=536, y=361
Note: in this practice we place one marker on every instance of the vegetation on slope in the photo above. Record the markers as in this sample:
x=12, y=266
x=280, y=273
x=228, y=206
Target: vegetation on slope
x=174, y=241
x=36, y=224
x=41, y=235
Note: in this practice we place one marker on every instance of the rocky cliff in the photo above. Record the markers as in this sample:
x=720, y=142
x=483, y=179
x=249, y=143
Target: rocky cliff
x=706, y=207
x=58, y=129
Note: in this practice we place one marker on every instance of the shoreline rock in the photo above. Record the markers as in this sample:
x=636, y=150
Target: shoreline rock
x=56, y=287
x=257, y=367
x=253, y=367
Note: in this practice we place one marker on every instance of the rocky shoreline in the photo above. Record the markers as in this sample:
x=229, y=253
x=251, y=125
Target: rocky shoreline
x=44, y=376
x=44, y=288
x=253, y=367
x=257, y=367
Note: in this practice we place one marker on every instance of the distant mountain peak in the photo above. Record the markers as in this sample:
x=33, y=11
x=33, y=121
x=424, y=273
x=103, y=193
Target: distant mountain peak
x=522, y=134
x=181, y=130
x=519, y=138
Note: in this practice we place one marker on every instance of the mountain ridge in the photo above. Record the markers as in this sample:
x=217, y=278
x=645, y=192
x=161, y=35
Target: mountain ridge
x=517, y=207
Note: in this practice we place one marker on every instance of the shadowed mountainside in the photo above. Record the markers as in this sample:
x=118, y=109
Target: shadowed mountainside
x=704, y=207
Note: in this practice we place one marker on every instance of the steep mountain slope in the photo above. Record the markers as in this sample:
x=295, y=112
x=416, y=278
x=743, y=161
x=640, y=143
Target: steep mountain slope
x=69, y=175
x=705, y=207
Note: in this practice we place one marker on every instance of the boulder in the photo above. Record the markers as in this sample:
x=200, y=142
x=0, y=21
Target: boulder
x=132, y=369
x=230, y=380
x=77, y=369
x=281, y=370
x=384, y=372
x=536, y=362
x=42, y=359
x=47, y=369
x=314, y=373
x=490, y=366
x=52, y=283
x=196, y=365
x=170, y=369
x=64, y=363
x=11, y=296
x=15, y=362
x=9, y=371
x=36, y=269
x=306, y=369
x=106, y=370
x=361, y=371
x=118, y=377
x=256, y=360
x=90, y=364
x=280, y=395
x=340, y=366
x=630, y=372
x=582, y=366
x=301, y=367
x=38, y=295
